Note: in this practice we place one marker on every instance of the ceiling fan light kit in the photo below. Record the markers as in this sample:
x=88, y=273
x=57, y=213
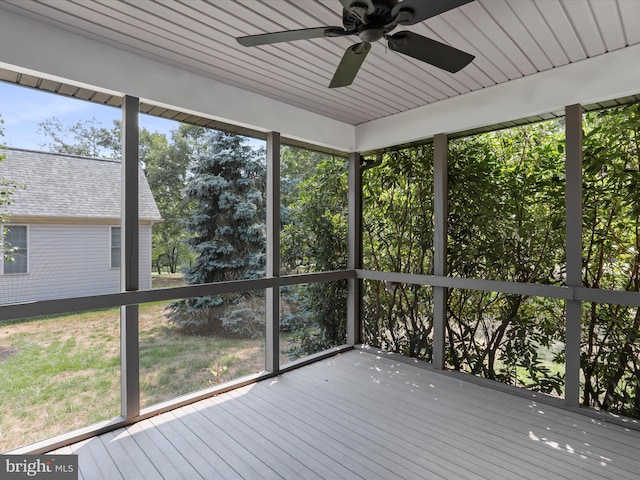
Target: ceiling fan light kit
x=373, y=20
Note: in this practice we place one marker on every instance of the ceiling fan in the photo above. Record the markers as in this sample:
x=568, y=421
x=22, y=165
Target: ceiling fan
x=372, y=20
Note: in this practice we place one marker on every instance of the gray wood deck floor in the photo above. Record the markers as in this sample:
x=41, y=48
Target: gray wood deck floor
x=355, y=416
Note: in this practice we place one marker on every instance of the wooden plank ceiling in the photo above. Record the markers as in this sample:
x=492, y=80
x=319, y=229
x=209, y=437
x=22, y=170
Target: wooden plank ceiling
x=510, y=39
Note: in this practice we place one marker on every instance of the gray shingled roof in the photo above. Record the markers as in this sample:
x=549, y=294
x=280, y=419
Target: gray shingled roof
x=67, y=186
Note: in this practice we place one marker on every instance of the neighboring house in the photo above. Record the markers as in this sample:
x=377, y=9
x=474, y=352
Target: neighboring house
x=64, y=227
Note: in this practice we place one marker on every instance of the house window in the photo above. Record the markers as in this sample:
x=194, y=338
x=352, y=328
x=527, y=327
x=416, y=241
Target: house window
x=15, y=245
x=115, y=247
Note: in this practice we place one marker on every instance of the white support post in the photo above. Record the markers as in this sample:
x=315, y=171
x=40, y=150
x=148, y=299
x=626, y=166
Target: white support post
x=272, y=321
x=129, y=260
x=440, y=212
x=573, y=116
x=354, y=321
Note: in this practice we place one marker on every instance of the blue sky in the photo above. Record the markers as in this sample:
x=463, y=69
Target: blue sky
x=23, y=109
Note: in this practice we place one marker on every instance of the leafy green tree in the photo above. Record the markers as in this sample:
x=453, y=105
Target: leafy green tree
x=506, y=202
x=87, y=138
x=397, y=237
x=165, y=164
x=227, y=234
x=506, y=198
x=314, y=239
x=7, y=189
x=313, y=213
x=611, y=259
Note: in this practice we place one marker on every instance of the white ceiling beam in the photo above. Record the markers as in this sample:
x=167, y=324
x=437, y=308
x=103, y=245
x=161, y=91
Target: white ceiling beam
x=42, y=50
x=604, y=77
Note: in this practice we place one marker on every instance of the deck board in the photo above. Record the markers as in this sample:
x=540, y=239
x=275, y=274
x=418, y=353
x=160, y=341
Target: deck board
x=378, y=455
x=319, y=444
x=197, y=453
x=513, y=439
x=273, y=432
x=160, y=451
x=358, y=415
x=402, y=430
x=218, y=454
x=381, y=440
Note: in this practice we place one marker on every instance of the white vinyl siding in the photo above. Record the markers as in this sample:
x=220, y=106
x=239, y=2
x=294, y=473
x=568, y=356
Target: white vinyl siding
x=69, y=261
x=16, y=248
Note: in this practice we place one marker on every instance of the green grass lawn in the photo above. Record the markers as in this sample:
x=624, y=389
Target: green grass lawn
x=62, y=373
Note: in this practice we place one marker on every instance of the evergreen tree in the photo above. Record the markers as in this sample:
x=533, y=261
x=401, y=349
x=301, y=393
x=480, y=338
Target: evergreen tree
x=227, y=235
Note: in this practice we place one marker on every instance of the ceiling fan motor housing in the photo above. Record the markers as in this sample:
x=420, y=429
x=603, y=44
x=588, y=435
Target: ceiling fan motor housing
x=371, y=34
x=360, y=18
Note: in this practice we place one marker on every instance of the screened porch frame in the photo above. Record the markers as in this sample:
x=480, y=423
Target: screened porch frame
x=129, y=299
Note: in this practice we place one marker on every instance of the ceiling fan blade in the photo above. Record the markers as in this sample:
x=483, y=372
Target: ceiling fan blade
x=368, y=4
x=350, y=64
x=423, y=9
x=430, y=51
x=290, y=36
